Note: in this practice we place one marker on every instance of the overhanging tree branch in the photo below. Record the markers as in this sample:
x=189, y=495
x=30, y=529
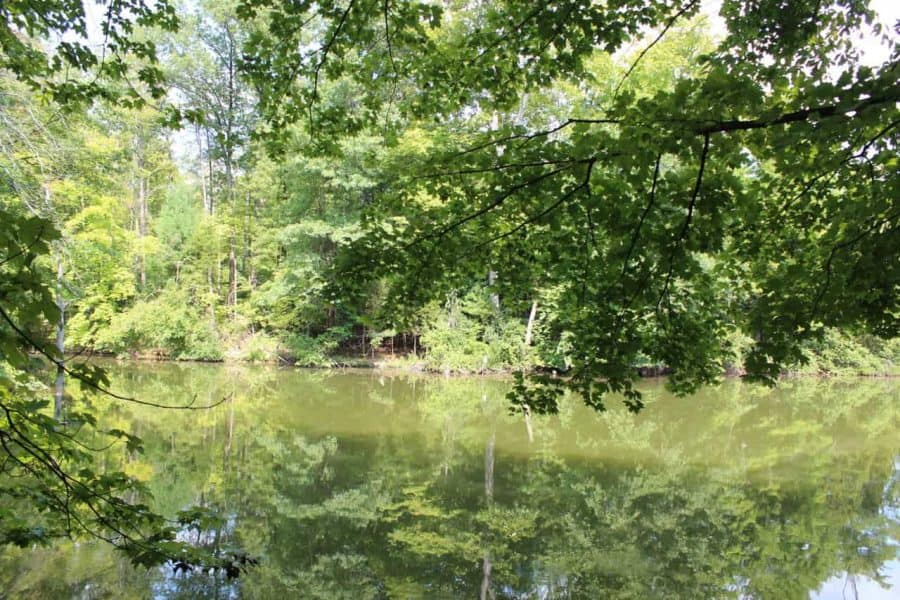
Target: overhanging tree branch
x=822, y=112
x=92, y=384
x=497, y=202
x=687, y=221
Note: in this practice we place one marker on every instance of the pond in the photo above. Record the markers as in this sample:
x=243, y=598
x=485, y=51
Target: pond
x=366, y=485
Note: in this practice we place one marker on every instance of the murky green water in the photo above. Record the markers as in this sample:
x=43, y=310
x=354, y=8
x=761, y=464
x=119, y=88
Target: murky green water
x=356, y=485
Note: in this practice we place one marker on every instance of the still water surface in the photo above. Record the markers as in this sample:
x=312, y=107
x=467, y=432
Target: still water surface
x=363, y=485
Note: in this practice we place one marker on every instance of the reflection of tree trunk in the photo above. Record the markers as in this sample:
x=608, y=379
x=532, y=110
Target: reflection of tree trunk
x=489, y=467
x=486, y=591
x=230, y=428
x=851, y=581
x=60, y=344
x=526, y=410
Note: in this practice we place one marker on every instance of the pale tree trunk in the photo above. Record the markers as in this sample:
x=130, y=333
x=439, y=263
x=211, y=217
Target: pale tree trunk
x=231, y=300
x=60, y=383
x=492, y=279
x=486, y=564
x=139, y=206
x=204, y=187
x=209, y=172
x=248, y=265
x=492, y=275
x=529, y=329
x=245, y=234
x=851, y=581
x=489, y=467
x=142, y=228
x=212, y=292
x=60, y=387
x=230, y=428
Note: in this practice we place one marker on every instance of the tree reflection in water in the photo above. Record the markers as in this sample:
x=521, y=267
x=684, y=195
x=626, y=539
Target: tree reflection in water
x=358, y=485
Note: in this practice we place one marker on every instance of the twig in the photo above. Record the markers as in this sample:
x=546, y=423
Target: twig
x=687, y=221
x=690, y=5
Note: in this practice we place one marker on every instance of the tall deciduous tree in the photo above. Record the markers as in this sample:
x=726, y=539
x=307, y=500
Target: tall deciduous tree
x=204, y=69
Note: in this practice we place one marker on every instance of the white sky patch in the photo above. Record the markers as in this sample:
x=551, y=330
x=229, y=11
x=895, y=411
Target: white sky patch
x=873, y=51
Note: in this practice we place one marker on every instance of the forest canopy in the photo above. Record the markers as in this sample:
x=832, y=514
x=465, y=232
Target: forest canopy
x=574, y=188
x=749, y=189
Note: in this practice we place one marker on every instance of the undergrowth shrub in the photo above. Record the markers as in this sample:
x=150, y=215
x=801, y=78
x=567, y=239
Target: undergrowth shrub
x=169, y=326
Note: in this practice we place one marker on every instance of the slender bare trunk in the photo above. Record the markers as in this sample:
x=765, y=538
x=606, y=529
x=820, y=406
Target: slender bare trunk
x=250, y=266
x=204, y=189
x=142, y=229
x=209, y=173
x=232, y=275
x=60, y=387
x=529, y=329
x=212, y=291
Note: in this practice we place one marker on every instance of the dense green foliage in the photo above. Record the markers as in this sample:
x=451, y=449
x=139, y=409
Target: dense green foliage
x=373, y=232
x=572, y=188
x=750, y=186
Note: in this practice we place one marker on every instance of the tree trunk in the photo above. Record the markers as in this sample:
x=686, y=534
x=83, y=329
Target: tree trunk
x=232, y=275
x=209, y=172
x=212, y=293
x=245, y=234
x=250, y=267
x=204, y=187
x=142, y=229
x=495, y=298
x=60, y=388
x=529, y=329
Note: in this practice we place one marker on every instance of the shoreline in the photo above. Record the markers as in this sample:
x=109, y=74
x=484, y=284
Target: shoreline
x=343, y=363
